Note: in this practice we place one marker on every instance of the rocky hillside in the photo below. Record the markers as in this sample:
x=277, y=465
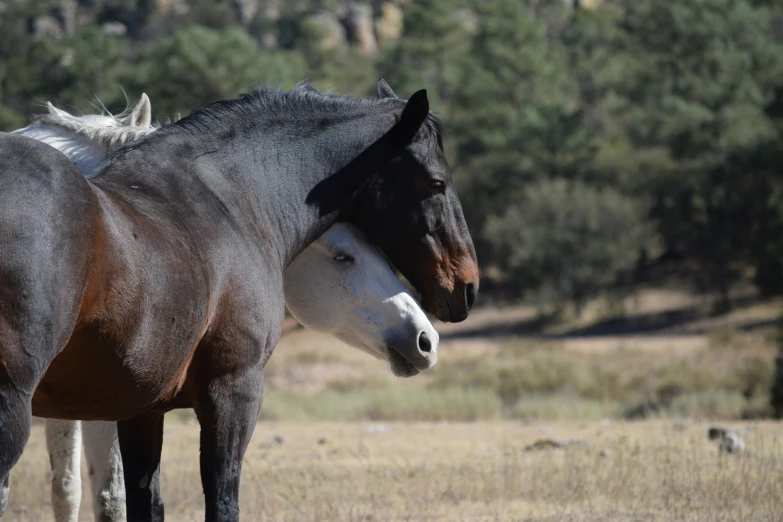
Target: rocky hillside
x=366, y=26
x=277, y=23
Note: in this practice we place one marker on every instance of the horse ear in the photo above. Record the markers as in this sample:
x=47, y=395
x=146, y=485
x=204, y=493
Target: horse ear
x=384, y=90
x=54, y=111
x=141, y=115
x=413, y=116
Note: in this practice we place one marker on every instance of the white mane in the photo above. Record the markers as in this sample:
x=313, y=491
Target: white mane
x=88, y=139
x=99, y=130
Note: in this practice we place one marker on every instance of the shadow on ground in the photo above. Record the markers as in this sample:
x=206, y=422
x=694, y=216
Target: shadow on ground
x=666, y=323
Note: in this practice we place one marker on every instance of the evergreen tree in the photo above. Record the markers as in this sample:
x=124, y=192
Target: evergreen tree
x=69, y=72
x=515, y=117
x=567, y=241
x=700, y=96
x=435, y=40
x=197, y=66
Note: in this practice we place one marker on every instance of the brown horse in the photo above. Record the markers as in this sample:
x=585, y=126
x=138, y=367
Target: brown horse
x=158, y=284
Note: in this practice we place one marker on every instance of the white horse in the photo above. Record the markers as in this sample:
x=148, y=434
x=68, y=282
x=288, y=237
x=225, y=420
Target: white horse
x=341, y=284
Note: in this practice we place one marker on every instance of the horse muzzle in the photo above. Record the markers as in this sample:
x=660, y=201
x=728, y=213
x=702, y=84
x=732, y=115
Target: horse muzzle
x=407, y=360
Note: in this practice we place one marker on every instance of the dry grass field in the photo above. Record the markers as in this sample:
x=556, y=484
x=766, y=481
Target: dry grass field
x=361, y=471
x=341, y=440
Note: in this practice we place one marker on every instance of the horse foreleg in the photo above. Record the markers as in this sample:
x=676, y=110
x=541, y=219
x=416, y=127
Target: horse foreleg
x=228, y=412
x=15, y=415
x=102, y=450
x=141, y=440
x=64, y=441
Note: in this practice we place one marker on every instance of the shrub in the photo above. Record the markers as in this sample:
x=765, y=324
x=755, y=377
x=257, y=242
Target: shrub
x=568, y=240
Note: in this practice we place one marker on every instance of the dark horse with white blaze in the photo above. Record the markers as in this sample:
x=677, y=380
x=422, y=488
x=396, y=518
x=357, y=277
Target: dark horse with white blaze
x=158, y=284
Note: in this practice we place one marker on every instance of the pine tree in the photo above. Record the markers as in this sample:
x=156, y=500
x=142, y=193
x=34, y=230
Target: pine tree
x=435, y=40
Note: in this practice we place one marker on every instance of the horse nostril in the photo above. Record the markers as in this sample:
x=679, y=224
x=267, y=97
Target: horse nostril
x=470, y=295
x=424, y=343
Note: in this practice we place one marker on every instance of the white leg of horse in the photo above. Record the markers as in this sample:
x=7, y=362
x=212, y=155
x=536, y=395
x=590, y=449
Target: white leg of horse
x=4, y=491
x=102, y=449
x=64, y=441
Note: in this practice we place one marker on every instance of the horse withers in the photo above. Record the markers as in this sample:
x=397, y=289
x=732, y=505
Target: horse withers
x=167, y=292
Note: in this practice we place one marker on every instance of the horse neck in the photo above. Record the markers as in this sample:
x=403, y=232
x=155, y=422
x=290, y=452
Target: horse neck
x=291, y=190
x=323, y=177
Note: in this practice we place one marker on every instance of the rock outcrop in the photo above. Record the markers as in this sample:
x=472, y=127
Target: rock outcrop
x=388, y=25
x=729, y=441
x=246, y=10
x=324, y=31
x=359, y=28
x=45, y=27
x=117, y=29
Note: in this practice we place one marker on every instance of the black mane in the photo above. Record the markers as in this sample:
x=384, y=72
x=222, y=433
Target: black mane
x=300, y=104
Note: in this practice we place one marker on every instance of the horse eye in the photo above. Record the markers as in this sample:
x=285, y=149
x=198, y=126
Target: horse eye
x=436, y=184
x=343, y=258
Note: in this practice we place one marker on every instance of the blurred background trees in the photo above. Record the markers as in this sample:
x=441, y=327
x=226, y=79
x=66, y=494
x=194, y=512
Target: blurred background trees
x=567, y=240
x=592, y=142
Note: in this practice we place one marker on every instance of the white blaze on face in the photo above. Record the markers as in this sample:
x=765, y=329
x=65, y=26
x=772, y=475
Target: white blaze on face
x=342, y=285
